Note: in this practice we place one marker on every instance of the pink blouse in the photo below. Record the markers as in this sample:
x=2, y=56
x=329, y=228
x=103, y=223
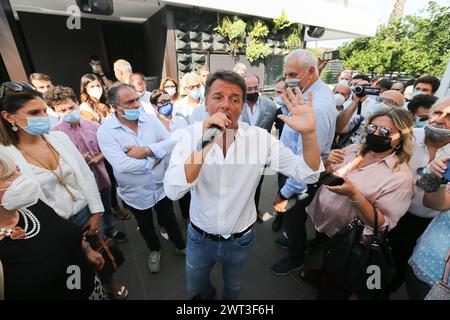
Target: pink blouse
x=390, y=191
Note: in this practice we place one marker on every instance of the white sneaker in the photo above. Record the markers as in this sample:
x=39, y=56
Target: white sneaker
x=153, y=261
x=165, y=235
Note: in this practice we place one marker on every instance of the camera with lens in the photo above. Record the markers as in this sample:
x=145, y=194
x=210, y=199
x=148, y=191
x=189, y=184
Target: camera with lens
x=362, y=91
x=429, y=182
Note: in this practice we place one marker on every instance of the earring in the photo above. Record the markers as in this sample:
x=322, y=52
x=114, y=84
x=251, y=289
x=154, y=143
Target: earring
x=14, y=127
x=397, y=147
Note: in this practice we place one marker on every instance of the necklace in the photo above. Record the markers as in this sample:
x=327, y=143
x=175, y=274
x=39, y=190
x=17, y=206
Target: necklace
x=18, y=233
x=60, y=177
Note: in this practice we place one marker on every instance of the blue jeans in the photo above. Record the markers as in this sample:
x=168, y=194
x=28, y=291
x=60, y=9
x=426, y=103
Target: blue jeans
x=202, y=254
x=82, y=217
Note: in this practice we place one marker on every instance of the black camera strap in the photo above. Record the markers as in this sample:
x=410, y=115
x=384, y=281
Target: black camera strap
x=359, y=108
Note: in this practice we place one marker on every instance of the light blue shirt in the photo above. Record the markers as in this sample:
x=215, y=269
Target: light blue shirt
x=324, y=107
x=140, y=181
x=199, y=115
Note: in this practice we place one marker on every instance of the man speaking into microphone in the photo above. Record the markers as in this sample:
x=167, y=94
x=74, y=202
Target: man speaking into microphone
x=223, y=176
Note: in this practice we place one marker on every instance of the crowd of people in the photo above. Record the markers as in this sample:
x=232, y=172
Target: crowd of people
x=67, y=160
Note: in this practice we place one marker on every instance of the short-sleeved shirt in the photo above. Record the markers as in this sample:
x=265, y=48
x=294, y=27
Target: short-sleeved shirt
x=390, y=190
x=84, y=137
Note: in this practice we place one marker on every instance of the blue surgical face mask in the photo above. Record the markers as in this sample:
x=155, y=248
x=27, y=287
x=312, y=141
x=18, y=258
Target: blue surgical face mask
x=72, y=117
x=166, y=110
x=131, y=114
x=280, y=102
x=421, y=122
x=292, y=83
x=37, y=125
x=416, y=93
x=197, y=94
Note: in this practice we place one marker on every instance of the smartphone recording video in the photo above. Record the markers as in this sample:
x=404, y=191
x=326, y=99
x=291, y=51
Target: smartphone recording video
x=330, y=55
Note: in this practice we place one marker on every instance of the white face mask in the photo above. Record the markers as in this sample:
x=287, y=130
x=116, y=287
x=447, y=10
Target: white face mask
x=339, y=99
x=344, y=82
x=95, y=92
x=170, y=91
x=23, y=192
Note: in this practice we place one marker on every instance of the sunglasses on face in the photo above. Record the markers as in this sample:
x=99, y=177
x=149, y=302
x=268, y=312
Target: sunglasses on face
x=162, y=103
x=387, y=101
x=384, y=131
x=14, y=86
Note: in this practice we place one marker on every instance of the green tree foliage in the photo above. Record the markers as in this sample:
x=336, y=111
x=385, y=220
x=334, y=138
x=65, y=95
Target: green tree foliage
x=281, y=22
x=234, y=31
x=256, y=46
x=413, y=45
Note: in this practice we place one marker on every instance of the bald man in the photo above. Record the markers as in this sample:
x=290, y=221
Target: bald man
x=123, y=71
x=390, y=98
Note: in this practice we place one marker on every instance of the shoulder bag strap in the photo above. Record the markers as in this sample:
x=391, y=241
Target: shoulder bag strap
x=104, y=246
x=375, y=227
x=447, y=268
x=2, y=282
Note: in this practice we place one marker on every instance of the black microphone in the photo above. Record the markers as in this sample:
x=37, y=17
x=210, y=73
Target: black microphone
x=208, y=137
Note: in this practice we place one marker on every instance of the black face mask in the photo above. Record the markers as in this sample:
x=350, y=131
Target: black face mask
x=252, y=97
x=378, y=143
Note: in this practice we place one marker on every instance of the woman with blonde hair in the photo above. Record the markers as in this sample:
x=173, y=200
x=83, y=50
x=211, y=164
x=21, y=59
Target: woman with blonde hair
x=170, y=86
x=375, y=174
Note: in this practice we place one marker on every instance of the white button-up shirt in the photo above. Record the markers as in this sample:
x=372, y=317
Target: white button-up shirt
x=222, y=195
x=253, y=114
x=420, y=159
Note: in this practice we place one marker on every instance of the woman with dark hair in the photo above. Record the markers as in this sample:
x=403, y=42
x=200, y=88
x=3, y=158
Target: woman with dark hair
x=49, y=158
x=94, y=106
x=161, y=101
x=376, y=175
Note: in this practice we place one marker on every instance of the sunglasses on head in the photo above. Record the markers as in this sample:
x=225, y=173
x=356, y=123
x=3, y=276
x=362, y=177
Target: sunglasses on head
x=14, y=86
x=162, y=103
x=384, y=131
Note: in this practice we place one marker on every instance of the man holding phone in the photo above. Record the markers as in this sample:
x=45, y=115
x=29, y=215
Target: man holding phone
x=431, y=142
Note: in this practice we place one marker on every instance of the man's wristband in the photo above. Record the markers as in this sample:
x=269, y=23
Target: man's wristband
x=281, y=196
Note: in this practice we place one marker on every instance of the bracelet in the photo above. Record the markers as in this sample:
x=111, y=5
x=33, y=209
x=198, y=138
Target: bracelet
x=358, y=201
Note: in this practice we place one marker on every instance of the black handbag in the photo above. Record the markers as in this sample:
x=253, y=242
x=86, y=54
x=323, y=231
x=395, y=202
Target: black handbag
x=112, y=254
x=348, y=257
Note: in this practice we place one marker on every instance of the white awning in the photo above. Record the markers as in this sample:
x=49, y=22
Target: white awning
x=339, y=21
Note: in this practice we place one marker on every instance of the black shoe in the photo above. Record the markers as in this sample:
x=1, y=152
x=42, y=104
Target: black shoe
x=282, y=242
x=277, y=222
x=118, y=236
x=285, y=266
x=259, y=216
